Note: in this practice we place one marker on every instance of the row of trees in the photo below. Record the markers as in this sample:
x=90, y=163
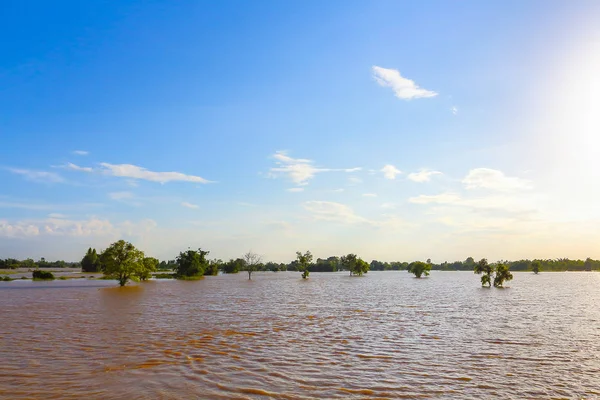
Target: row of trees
x=558, y=264
x=330, y=264
x=12, y=263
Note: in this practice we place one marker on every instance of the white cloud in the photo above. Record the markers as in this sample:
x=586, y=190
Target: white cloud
x=56, y=215
x=338, y=190
x=81, y=152
x=78, y=168
x=65, y=227
x=403, y=88
x=454, y=110
x=295, y=189
x=331, y=211
x=354, y=180
x=390, y=172
x=389, y=206
x=423, y=175
x=486, y=178
x=136, y=172
x=120, y=195
x=38, y=176
x=189, y=205
x=443, y=198
x=300, y=170
x=369, y=194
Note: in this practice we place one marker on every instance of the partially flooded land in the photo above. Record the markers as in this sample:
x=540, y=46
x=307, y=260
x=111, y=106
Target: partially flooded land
x=385, y=335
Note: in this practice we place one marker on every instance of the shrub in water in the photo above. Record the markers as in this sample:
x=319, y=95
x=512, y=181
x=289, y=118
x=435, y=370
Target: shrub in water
x=43, y=275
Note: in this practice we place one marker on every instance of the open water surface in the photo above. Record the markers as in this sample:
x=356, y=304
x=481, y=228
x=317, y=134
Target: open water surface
x=385, y=335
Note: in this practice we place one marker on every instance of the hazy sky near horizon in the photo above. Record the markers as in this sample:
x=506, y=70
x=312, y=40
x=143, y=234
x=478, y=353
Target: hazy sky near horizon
x=396, y=130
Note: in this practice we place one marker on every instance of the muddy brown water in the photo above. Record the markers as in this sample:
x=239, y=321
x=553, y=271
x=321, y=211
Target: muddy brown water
x=385, y=335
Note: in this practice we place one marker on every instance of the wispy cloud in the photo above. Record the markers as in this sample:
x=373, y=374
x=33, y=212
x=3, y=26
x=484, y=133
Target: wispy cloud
x=369, y=194
x=423, y=175
x=295, y=189
x=341, y=213
x=65, y=227
x=81, y=152
x=189, y=205
x=300, y=170
x=454, y=110
x=504, y=204
x=332, y=211
x=121, y=195
x=38, y=176
x=390, y=172
x=57, y=215
x=136, y=172
x=486, y=178
x=77, y=167
x=443, y=198
x=403, y=88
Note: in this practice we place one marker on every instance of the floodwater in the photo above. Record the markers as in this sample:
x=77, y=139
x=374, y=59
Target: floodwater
x=384, y=335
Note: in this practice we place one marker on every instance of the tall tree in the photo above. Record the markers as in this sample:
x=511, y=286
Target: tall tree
x=123, y=262
x=355, y=265
x=252, y=263
x=502, y=275
x=304, y=261
x=150, y=266
x=419, y=268
x=483, y=267
x=90, y=262
x=234, y=266
x=536, y=266
x=191, y=263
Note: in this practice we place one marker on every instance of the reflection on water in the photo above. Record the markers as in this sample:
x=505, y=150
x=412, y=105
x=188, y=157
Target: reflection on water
x=385, y=335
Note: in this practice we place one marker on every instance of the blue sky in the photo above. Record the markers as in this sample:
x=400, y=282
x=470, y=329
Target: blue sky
x=396, y=130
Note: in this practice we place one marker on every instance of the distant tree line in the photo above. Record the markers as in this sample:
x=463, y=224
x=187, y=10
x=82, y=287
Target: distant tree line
x=90, y=263
x=11, y=263
x=123, y=262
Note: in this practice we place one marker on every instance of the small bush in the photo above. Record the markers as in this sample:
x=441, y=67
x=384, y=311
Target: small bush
x=6, y=279
x=43, y=275
x=189, y=278
x=164, y=276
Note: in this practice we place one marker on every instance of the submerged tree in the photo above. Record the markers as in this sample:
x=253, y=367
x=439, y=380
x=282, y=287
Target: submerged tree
x=304, y=261
x=355, y=265
x=536, y=266
x=213, y=267
x=90, y=262
x=150, y=266
x=483, y=267
x=191, y=264
x=502, y=275
x=419, y=268
x=252, y=263
x=234, y=266
x=123, y=262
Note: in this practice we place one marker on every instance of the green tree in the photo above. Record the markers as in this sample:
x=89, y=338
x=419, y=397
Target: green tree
x=419, y=268
x=150, y=266
x=355, y=265
x=39, y=275
x=123, y=262
x=502, y=275
x=483, y=267
x=252, y=262
x=536, y=266
x=304, y=261
x=90, y=262
x=233, y=266
x=191, y=264
x=213, y=267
